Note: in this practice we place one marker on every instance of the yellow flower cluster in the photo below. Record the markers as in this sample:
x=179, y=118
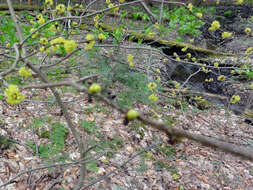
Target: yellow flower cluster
x=115, y=9
x=101, y=37
x=209, y=80
x=226, y=35
x=200, y=15
x=214, y=26
x=60, y=9
x=96, y=18
x=54, y=28
x=234, y=99
x=41, y=19
x=153, y=97
x=70, y=45
x=190, y=6
x=130, y=58
x=35, y=34
x=239, y=2
x=216, y=64
x=184, y=49
x=90, y=45
x=24, y=72
x=221, y=78
x=49, y=2
x=247, y=31
x=152, y=85
x=177, y=56
x=249, y=51
x=13, y=95
x=43, y=41
x=91, y=39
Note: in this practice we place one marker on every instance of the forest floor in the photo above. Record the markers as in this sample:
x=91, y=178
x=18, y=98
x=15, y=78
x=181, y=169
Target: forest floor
x=161, y=166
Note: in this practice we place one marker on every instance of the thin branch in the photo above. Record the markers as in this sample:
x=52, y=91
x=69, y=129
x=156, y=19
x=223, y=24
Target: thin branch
x=240, y=151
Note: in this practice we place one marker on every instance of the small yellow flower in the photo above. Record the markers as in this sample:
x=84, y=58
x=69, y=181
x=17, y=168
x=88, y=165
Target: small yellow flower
x=39, y=16
x=32, y=22
x=191, y=40
x=80, y=6
x=41, y=21
x=74, y=24
x=194, y=59
x=190, y=6
x=249, y=51
x=8, y=44
x=165, y=60
x=95, y=19
x=184, y=49
x=101, y=37
x=176, y=84
x=130, y=58
x=70, y=45
x=234, y=99
x=49, y=2
x=247, y=30
x=108, y=1
x=158, y=71
x=59, y=40
x=24, y=72
x=158, y=79
x=214, y=26
x=188, y=55
x=226, y=35
x=175, y=176
x=152, y=85
x=13, y=95
x=121, y=1
x=112, y=5
x=42, y=49
x=200, y=15
x=60, y=8
x=53, y=28
x=153, y=97
x=90, y=45
x=35, y=34
x=221, y=78
x=239, y=2
x=44, y=41
x=90, y=37
x=251, y=86
x=216, y=64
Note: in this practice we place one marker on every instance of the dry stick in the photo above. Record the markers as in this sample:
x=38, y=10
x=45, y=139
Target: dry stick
x=43, y=77
x=240, y=151
x=161, y=12
x=113, y=171
x=41, y=168
x=147, y=10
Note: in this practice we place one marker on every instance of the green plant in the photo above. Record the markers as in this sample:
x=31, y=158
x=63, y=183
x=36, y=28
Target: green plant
x=53, y=149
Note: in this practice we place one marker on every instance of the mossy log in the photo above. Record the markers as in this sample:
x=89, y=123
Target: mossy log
x=169, y=43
